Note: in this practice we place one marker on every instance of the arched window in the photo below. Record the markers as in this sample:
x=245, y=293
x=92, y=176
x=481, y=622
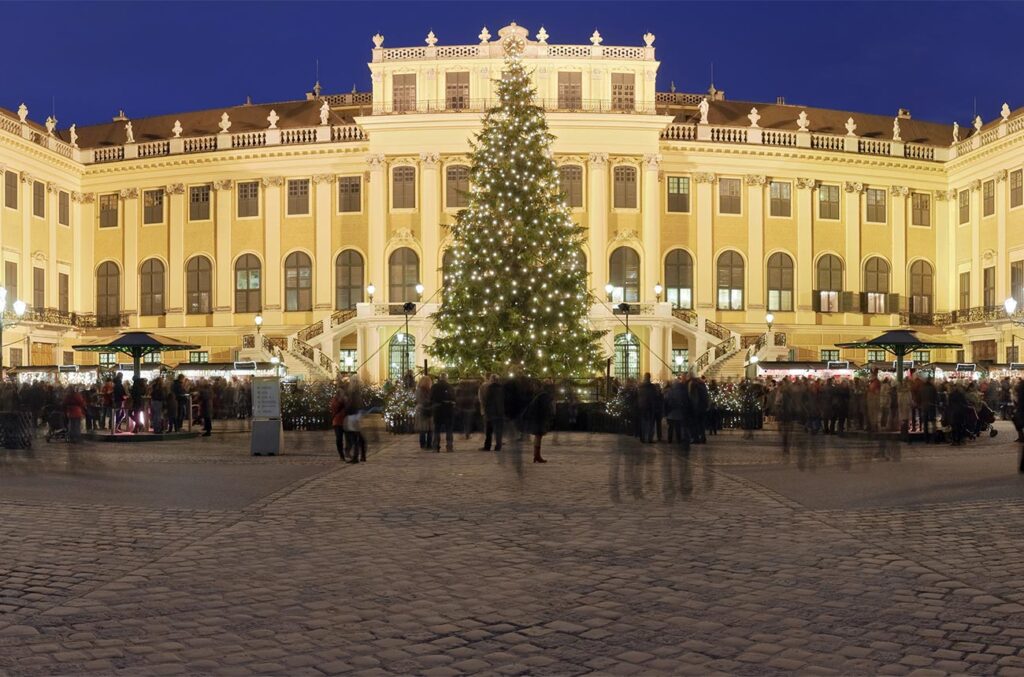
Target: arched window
x=247, y=284
x=876, y=285
x=730, y=281
x=921, y=287
x=830, y=283
x=198, y=285
x=401, y=355
x=151, y=284
x=348, y=280
x=108, y=294
x=298, y=282
x=624, y=275
x=403, y=275
x=780, y=282
x=679, y=279
x=456, y=187
x=627, y=356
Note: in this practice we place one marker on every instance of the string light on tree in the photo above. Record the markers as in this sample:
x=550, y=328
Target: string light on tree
x=516, y=298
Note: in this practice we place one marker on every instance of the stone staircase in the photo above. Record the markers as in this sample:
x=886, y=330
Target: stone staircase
x=730, y=367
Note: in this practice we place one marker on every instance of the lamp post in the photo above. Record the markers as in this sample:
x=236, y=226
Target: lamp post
x=609, y=289
x=370, y=289
x=679, y=363
x=259, y=322
x=657, y=292
x=408, y=307
x=19, y=310
x=1010, y=306
x=276, y=361
x=624, y=308
x=769, y=319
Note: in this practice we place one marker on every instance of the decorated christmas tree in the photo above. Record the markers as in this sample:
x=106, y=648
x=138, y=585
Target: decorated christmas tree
x=516, y=298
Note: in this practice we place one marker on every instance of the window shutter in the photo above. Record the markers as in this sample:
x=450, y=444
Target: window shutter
x=846, y=304
x=864, y=302
x=816, y=301
x=894, y=303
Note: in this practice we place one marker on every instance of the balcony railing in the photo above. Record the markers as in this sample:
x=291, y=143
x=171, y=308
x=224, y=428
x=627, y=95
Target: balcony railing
x=466, y=105
x=687, y=316
x=716, y=330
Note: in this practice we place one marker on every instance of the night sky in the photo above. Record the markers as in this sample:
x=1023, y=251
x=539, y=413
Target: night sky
x=155, y=58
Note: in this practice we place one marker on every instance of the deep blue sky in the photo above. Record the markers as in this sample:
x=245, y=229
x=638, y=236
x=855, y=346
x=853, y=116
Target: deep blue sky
x=155, y=57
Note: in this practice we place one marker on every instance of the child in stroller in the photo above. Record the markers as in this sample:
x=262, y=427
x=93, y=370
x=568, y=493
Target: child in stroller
x=56, y=424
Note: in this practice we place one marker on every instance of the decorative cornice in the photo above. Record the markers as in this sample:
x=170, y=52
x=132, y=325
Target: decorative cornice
x=854, y=187
x=755, y=179
x=899, y=191
x=704, y=177
x=807, y=184
x=269, y=181
x=430, y=159
x=598, y=159
x=323, y=178
x=128, y=193
x=176, y=189
x=376, y=160
x=570, y=159
x=223, y=184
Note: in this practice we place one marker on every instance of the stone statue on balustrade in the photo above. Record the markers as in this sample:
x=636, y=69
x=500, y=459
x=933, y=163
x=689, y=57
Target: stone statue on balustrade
x=703, y=107
x=129, y=133
x=325, y=111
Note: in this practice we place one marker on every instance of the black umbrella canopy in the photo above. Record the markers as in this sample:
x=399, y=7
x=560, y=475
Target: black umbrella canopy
x=136, y=344
x=899, y=342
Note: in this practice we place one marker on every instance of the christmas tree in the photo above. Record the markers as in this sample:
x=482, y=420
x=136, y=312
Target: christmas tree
x=516, y=298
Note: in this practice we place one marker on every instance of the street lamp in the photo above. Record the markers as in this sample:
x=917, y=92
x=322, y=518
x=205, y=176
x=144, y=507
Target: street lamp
x=408, y=307
x=19, y=310
x=370, y=289
x=679, y=363
x=1010, y=306
x=276, y=361
x=419, y=290
x=609, y=289
x=769, y=320
x=259, y=322
x=657, y=292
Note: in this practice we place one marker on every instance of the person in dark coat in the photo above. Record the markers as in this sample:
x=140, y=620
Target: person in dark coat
x=206, y=407
x=647, y=400
x=181, y=396
x=442, y=405
x=698, y=410
x=492, y=403
x=677, y=405
x=956, y=413
x=117, y=398
x=338, y=420
x=538, y=417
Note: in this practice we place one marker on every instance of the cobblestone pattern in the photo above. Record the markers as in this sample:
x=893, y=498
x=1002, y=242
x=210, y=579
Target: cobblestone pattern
x=625, y=560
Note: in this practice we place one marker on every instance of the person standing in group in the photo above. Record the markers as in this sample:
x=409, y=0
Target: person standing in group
x=74, y=411
x=355, y=442
x=107, y=402
x=442, y=404
x=206, y=407
x=423, y=417
x=647, y=401
x=181, y=397
x=156, y=406
x=699, y=410
x=538, y=417
x=338, y=419
x=492, y=404
x=677, y=405
x=466, y=398
x=117, y=398
x=927, y=398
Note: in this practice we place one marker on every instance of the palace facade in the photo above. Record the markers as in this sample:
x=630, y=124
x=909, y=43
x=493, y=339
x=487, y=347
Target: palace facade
x=321, y=216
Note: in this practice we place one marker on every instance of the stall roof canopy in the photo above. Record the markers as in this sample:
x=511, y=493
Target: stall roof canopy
x=899, y=341
x=142, y=342
x=208, y=366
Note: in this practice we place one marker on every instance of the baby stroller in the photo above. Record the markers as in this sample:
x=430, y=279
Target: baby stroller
x=56, y=425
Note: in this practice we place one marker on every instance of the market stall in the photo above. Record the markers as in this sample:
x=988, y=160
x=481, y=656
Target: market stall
x=67, y=374
x=796, y=369
x=954, y=371
x=228, y=370
x=900, y=343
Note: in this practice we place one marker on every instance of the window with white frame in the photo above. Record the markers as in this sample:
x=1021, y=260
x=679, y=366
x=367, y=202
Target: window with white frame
x=624, y=275
x=964, y=198
x=570, y=91
x=828, y=202
x=350, y=195
x=988, y=194
x=921, y=277
x=456, y=187
x=199, y=203
x=623, y=91
x=108, y=359
x=829, y=354
x=678, y=193
x=11, y=190
x=198, y=356
x=570, y=178
x=830, y=283
x=730, y=281
x=780, y=282
x=108, y=211
x=875, y=355
x=248, y=199
x=920, y=209
x=151, y=358
x=624, y=180
x=922, y=356
x=875, y=202
x=153, y=206
x=39, y=199
x=298, y=197
x=403, y=92
x=965, y=291
x=876, y=284
x=403, y=187
x=679, y=279
x=780, y=193
x=1017, y=188
x=456, y=90
x=64, y=208
x=729, y=201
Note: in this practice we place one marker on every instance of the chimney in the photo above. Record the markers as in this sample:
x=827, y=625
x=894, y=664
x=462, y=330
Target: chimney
x=903, y=113
x=780, y=101
x=120, y=117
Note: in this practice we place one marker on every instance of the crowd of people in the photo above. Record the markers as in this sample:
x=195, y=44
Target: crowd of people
x=122, y=406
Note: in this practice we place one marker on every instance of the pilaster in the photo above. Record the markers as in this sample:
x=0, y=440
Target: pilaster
x=130, y=232
x=52, y=206
x=755, y=243
x=948, y=282
x=377, y=211
x=323, y=265
x=81, y=251
x=597, y=220
x=976, y=278
x=430, y=221
x=898, y=283
x=853, y=224
x=223, y=288
x=176, y=253
x=84, y=280
x=1002, y=275
x=705, y=241
x=25, y=262
x=272, y=314
x=651, y=227
x=805, y=249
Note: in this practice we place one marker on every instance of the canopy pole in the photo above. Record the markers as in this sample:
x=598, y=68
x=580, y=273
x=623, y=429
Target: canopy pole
x=899, y=364
x=136, y=360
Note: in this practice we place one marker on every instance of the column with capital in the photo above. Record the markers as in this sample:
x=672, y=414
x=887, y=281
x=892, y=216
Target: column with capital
x=704, y=203
x=1002, y=277
x=52, y=207
x=805, y=249
x=272, y=250
x=222, y=316
x=130, y=271
x=430, y=221
x=25, y=264
x=597, y=220
x=945, y=245
x=323, y=224
x=651, y=226
x=755, y=246
x=853, y=225
x=377, y=223
x=81, y=251
x=975, y=243
x=176, y=254
x=897, y=283
x=951, y=279
x=83, y=280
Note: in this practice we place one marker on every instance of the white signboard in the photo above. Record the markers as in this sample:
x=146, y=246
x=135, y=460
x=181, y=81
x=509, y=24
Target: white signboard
x=266, y=397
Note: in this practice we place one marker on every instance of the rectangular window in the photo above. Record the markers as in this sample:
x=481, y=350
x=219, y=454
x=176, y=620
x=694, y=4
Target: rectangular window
x=298, y=197
x=403, y=92
x=11, y=190
x=152, y=358
x=11, y=281
x=922, y=356
x=570, y=178
x=623, y=91
x=678, y=193
x=624, y=194
x=729, y=196
x=830, y=355
x=1012, y=354
x=828, y=202
x=1017, y=282
x=456, y=187
x=16, y=357
x=38, y=287
x=877, y=356
x=965, y=291
x=108, y=359
x=570, y=91
x=828, y=301
x=781, y=204
x=403, y=187
x=199, y=203
x=875, y=198
x=248, y=199
x=198, y=356
x=965, y=206
x=347, y=360
x=39, y=199
x=64, y=208
x=920, y=209
x=456, y=90
x=875, y=302
x=63, y=292
x=989, y=279
x=350, y=197
x=108, y=211
x=1017, y=188
x=153, y=206
x=69, y=357
x=988, y=192
x=680, y=360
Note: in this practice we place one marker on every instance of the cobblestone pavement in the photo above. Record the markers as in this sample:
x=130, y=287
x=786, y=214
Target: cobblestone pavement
x=843, y=557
